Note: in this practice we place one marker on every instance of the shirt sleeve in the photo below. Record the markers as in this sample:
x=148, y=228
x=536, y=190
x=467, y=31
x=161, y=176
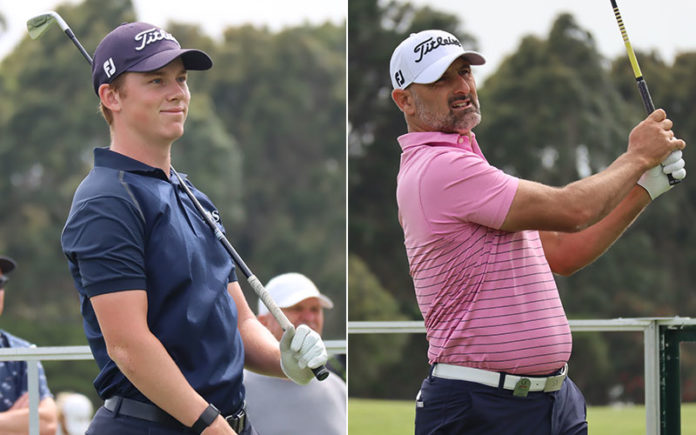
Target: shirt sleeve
x=105, y=239
x=461, y=186
x=44, y=392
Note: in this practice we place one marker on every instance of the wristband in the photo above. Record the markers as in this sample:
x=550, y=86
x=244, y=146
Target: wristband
x=206, y=419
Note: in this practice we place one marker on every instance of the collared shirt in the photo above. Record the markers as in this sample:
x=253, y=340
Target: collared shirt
x=488, y=297
x=13, y=374
x=131, y=227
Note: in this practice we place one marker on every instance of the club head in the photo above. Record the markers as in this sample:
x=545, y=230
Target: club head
x=40, y=23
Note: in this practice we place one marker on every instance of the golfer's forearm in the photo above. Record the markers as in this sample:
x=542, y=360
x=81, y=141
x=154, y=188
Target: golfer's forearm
x=261, y=351
x=146, y=363
x=569, y=252
x=596, y=196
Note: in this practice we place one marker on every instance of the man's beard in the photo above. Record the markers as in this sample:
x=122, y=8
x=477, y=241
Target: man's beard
x=452, y=122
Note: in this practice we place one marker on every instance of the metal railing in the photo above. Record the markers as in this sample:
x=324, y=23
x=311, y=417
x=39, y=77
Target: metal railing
x=32, y=355
x=657, y=417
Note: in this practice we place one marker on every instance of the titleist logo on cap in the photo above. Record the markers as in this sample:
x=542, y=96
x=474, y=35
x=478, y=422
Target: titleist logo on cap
x=429, y=45
x=147, y=37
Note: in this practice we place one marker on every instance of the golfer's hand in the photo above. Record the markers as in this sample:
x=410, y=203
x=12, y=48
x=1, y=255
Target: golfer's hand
x=655, y=180
x=300, y=351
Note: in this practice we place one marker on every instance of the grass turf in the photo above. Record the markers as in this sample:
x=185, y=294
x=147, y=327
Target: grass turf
x=393, y=417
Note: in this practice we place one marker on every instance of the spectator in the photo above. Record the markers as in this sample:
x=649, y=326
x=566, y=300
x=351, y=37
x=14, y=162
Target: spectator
x=74, y=413
x=14, y=396
x=318, y=408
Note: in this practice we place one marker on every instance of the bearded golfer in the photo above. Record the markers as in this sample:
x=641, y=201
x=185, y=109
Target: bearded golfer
x=163, y=312
x=483, y=246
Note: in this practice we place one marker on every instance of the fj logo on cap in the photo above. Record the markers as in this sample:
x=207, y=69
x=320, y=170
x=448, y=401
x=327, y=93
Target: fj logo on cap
x=109, y=67
x=429, y=45
x=399, y=76
x=147, y=37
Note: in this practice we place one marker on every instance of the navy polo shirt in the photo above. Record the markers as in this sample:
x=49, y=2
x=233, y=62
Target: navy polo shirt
x=13, y=375
x=132, y=228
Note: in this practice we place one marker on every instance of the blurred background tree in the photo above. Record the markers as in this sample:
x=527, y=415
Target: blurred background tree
x=265, y=139
x=554, y=111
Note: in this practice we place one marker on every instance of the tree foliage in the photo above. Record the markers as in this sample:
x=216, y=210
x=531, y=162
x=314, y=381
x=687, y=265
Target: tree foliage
x=553, y=112
x=265, y=139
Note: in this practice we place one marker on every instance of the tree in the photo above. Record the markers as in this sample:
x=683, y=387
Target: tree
x=375, y=123
x=273, y=162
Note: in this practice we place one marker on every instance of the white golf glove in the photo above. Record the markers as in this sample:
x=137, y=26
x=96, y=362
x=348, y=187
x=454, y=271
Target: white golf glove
x=655, y=180
x=300, y=351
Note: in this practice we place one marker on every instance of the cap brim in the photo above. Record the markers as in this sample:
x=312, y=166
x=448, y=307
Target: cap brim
x=435, y=71
x=193, y=60
x=324, y=301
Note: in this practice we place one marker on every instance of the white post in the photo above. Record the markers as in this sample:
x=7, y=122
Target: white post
x=33, y=386
x=651, y=338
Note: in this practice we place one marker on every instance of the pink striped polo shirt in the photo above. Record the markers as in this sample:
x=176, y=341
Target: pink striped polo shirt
x=488, y=297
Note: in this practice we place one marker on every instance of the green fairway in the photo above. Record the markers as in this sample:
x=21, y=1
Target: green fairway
x=392, y=417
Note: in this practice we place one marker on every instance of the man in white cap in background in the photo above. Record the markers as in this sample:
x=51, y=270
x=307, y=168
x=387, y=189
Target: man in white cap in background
x=318, y=408
x=75, y=412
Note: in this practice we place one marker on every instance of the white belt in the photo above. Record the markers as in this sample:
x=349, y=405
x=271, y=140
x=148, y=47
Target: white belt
x=492, y=379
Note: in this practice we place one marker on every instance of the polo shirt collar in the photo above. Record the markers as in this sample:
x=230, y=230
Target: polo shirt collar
x=111, y=159
x=435, y=138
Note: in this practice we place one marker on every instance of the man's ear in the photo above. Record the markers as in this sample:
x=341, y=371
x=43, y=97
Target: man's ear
x=404, y=99
x=109, y=97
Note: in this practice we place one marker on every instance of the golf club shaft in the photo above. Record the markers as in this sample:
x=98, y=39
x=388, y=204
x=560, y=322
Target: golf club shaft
x=79, y=46
x=320, y=372
x=640, y=81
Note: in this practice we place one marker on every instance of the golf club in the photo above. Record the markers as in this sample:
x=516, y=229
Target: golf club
x=37, y=26
x=642, y=85
x=320, y=372
x=40, y=23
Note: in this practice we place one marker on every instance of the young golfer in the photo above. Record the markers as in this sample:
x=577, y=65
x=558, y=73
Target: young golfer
x=163, y=312
x=483, y=246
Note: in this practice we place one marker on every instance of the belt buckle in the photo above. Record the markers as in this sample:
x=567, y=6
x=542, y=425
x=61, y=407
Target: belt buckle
x=238, y=420
x=554, y=383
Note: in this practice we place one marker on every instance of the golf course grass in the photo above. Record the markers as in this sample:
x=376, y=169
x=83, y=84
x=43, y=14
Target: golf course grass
x=393, y=417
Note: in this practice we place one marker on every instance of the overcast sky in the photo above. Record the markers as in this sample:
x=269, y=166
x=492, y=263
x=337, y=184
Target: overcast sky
x=666, y=26
x=212, y=15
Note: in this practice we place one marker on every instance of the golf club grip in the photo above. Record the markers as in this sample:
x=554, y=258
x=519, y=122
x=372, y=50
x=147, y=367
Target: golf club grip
x=320, y=372
x=650, y=108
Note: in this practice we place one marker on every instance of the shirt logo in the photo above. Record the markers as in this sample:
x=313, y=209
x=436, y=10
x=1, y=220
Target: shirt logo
x=399, y=76
x=429, y=45
x=147, y=37
x=214, y=215
x=109, y=67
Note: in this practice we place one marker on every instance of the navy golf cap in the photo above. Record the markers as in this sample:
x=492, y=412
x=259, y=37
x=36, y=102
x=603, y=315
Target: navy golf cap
x=140, y=47
x=7, y=265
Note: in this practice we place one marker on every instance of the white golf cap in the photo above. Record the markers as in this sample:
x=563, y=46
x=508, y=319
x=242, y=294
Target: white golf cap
x=290, y=288
x=424, y=56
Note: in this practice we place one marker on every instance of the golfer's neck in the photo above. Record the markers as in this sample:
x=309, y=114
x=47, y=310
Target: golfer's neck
x=154, y=154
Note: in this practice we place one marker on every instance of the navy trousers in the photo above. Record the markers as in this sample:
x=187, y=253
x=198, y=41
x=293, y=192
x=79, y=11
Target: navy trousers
x=446, y=406
x=106, y=422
